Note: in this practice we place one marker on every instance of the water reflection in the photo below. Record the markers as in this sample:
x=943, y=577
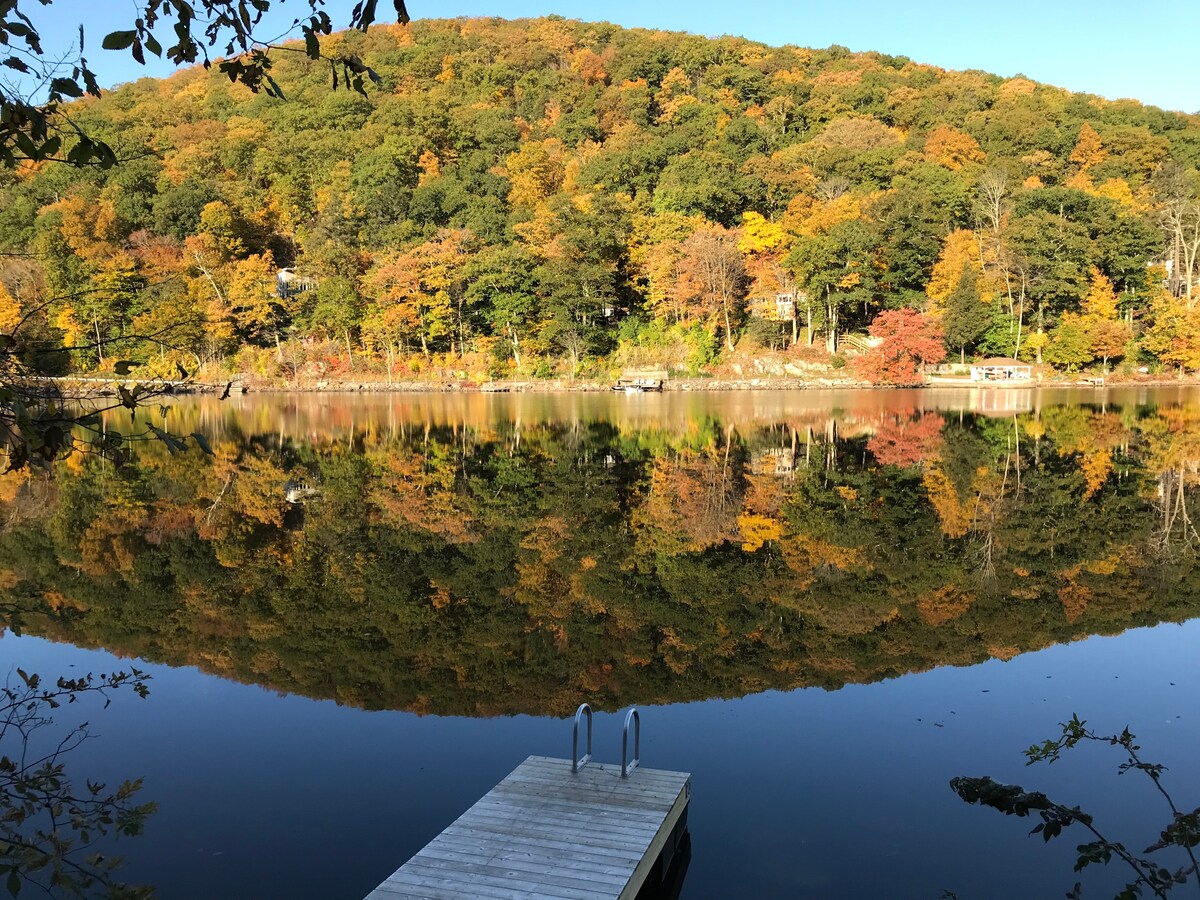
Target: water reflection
x=487, y=555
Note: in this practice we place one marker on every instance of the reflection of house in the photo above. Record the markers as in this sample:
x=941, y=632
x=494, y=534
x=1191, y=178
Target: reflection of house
x=1001, y=403
x=777, y=461
x=1001, y=368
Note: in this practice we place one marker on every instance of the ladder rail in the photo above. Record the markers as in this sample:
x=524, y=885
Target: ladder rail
x=578, y=762
x=628, y=765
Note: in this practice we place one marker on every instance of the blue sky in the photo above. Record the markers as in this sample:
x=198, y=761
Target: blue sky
x=1114, y=48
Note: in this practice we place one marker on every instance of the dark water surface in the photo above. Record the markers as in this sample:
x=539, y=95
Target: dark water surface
x=826, y=605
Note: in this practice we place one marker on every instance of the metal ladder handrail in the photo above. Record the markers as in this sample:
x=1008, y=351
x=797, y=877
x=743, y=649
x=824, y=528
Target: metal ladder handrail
x=627, y=767
x=578, y=762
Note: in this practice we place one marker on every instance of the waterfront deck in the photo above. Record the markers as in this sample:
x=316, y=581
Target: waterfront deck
x=545, y=831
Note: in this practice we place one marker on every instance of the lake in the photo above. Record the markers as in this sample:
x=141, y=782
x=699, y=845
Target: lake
x=360, y=613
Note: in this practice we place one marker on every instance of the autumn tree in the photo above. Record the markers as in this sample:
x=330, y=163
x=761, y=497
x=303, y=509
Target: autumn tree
x=836, y=266
x=1070, y=345
x=765, y=245
x=1178, y=214
x=711, y=263
x=502, y=281
x=1108, y=334
x=908, y=341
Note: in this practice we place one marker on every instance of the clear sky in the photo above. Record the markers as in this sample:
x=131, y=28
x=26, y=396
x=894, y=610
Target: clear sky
x=1148, y=50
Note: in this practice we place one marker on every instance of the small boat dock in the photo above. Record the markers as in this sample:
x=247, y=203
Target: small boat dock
x=639, y=381
x=557, y=828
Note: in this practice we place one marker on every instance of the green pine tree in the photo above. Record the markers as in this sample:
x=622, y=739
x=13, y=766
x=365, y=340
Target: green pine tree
x=967, y=317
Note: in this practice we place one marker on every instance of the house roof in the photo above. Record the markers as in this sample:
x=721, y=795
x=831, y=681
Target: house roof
x=1001, y=362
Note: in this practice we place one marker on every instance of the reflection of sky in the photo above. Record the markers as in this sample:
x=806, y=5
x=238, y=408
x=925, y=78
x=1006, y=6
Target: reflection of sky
x=830, y=794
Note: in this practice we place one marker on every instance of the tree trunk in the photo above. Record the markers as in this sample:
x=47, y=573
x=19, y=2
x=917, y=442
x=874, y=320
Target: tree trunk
x=99, y=343
x=831, y=317
x=728, y=328
x=349, y=352
x=1020, y=322
x=1041, y=330
x=516, y=348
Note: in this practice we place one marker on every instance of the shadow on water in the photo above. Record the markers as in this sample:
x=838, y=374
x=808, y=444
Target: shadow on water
x=671, y=869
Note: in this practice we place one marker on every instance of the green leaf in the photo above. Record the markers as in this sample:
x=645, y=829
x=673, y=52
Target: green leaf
x=119, y=40
x=202, y=443
x=124, y=367
x=14, y=883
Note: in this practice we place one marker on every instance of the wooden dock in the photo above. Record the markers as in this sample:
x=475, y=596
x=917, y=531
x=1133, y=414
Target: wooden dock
x=547, y=831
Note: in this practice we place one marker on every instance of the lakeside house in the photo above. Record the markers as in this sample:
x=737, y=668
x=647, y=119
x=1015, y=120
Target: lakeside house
x=1000, y=368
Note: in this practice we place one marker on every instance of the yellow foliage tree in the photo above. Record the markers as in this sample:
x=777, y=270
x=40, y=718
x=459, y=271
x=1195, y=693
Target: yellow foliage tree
x=1108, y=334
x=961, y=249
x=952, y=149
x=673, y=94
x=1089, y=151
x=759, y=234
x=535, y=171
x=10, y=311
x=1101, y=299
x=430, y=166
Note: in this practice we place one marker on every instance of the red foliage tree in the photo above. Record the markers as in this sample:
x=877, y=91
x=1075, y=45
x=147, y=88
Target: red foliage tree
x=909, y=341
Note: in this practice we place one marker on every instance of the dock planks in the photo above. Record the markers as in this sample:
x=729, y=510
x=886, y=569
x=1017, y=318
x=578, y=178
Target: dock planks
x=546, y=832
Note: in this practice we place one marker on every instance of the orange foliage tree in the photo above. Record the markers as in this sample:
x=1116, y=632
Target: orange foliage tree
x=909, y=340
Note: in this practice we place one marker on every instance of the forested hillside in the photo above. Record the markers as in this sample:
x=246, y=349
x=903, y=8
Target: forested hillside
x=550, y=197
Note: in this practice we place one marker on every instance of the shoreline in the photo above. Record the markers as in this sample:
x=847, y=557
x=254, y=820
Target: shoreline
x=688, y=386
x=102, y=387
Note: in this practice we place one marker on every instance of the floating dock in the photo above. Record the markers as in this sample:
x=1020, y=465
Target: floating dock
x=554, y=828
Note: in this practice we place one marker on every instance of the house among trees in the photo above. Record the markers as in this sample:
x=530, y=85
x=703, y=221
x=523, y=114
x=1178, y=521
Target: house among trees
x=785, y=306
x=1001, y=368
x=288, y=283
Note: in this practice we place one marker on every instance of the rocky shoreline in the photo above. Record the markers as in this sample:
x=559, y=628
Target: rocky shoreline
x=99, y=387
x=696, y=385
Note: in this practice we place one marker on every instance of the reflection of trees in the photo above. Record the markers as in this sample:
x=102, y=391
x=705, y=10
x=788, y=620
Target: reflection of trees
x=526, y=565
x=1173, y=441
x=1176, y=533
x=692, y=499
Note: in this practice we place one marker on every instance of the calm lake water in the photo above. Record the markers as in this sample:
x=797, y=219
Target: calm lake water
x=826, y=605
